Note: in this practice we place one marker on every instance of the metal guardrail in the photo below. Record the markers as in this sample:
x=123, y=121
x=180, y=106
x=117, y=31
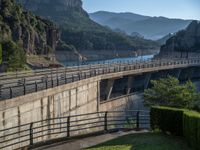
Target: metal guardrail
x=11, y=89
x=42, y=72
x=71, y=126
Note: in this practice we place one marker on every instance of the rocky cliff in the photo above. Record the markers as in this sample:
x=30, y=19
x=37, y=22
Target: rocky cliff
x=185, y=41
x=33, y=34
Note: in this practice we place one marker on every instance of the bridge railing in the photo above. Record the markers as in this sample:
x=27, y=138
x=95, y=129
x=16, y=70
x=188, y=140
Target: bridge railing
x=42, y=72
x=25, y=86
x=8, y=78
x=41, y=132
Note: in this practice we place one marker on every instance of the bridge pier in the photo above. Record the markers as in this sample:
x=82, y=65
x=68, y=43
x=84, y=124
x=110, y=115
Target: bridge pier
x=129, y=84
x=109, y=88
x=177, y=73
x=147, y=80
x=98, y=95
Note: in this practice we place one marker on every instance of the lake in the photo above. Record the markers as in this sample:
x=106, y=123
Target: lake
x=108, y=61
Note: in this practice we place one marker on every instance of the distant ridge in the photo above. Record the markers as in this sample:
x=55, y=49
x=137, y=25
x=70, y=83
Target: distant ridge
x=150, y=27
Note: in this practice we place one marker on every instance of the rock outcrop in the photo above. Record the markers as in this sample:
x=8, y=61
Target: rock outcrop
x=185, y=43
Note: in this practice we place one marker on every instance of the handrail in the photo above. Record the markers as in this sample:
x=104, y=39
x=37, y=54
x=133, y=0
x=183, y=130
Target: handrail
x=14, y=88
x=62, y=127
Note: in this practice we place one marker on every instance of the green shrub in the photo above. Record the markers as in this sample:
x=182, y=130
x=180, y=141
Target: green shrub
x=177, y=122
x=169, y=92
x=168, y=120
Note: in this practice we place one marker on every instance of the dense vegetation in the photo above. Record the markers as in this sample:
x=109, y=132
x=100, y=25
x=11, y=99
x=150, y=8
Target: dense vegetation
x=144, y=141
x=177, y=122
x=80, y=31
x=169, y=92
x=101, y=40
x=21, y=33
x=16, y=57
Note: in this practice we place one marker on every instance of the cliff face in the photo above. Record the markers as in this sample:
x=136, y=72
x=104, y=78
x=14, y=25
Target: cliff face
x=33, y=34
x=185, y=41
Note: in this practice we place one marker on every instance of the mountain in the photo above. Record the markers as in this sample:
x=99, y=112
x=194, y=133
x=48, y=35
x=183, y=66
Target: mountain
x=183, y=42
x=150, y=27
x=163, y=40
x=23, y=33
x=79, y=31
x=115, y=20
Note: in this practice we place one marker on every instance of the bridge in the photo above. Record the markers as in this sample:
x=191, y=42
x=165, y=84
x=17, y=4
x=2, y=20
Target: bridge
x=32, y=96
x=22, y=83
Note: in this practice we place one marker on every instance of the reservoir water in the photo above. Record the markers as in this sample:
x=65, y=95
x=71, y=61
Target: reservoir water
x=108, y=61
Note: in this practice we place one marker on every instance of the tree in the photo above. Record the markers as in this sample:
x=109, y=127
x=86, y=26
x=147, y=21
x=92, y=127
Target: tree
x=15, y=56
x=169, y=92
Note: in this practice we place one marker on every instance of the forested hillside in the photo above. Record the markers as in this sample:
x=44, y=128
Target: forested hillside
x=79, y=30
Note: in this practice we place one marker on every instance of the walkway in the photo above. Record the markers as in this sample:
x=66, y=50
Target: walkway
x=87, y=142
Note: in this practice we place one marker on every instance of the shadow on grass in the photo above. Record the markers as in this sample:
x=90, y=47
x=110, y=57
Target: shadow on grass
x=144, y=141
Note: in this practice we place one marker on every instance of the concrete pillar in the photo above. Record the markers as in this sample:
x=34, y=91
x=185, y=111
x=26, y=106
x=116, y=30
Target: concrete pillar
x=177, y=73
x=48, y=117
x=129, y=84
x=98, y=95
x=109, y=88
x=147, y=80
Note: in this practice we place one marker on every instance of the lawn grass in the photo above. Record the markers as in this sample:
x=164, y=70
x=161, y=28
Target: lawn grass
x=144, y=141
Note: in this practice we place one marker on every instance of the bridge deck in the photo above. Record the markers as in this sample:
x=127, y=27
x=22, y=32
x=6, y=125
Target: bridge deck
x=22, y=83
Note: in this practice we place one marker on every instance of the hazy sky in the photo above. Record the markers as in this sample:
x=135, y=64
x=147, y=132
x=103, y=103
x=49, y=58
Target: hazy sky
x=186, y=9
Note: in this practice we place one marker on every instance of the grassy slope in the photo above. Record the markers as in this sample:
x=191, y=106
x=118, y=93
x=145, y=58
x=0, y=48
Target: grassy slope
x=146, y=141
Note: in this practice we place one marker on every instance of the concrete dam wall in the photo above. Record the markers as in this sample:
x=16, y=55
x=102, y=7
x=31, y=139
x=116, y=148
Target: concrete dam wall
x=71, y=99
x=107, y=92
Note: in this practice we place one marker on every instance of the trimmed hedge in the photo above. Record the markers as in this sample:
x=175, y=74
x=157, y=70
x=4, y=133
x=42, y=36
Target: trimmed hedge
x=168, y=120
x=177, y=122
x=191, y=128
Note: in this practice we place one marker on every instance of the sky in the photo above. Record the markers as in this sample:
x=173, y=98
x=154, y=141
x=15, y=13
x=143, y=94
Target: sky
x=184, y=9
